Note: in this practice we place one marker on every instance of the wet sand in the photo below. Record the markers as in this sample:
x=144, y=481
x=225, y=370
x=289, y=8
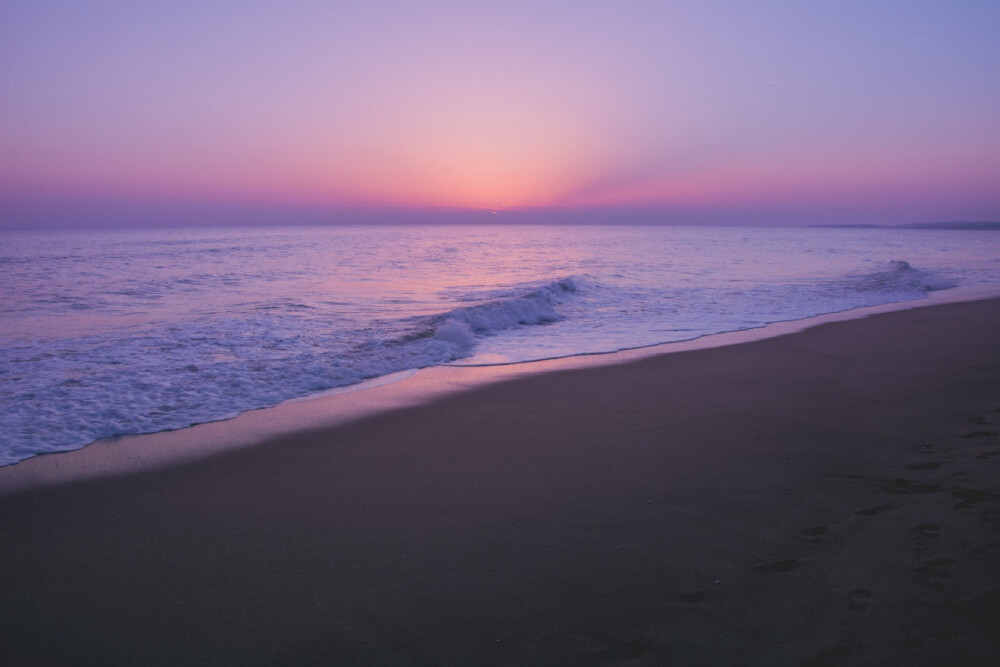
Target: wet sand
x=827, y=497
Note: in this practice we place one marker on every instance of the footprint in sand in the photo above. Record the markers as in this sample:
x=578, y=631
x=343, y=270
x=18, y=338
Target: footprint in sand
x=859, y=600
x=927, y=465
x=992, y=517
x=935, y=572
x=901, y=487
x=814, y=534
x=786, y=565
x=930, y=530
x=844, y=475
x=978, y=434
x=985, y=549
x=872, y=511
x=971, y=497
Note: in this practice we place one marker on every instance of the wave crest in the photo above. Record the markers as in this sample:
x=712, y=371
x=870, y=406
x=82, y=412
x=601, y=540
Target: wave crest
x=901, y=277
x=516, y=308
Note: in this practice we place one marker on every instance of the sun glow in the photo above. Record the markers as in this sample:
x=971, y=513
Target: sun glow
x=499, y=108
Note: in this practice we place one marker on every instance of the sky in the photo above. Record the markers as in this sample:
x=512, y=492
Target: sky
x=690, y=112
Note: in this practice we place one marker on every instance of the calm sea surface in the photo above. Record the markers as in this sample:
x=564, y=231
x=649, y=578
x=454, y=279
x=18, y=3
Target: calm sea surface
x=106, y=333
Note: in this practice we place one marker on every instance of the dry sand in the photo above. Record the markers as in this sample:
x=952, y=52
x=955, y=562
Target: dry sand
x=828, y=497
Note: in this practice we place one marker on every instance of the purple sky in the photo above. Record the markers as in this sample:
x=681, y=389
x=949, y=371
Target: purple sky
x=256, y=111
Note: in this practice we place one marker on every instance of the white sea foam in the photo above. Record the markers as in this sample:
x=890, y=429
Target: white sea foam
x=113, y=333
x=511, y=309
x=79, y=395
x=901, y=279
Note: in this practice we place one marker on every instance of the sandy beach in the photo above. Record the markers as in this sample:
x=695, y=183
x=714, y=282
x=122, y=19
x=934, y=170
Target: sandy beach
x=827, y=497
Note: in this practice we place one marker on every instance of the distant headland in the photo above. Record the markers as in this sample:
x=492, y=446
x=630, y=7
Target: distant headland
x=964, y=225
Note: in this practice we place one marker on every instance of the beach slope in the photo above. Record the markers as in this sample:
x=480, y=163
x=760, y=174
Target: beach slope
x=826, y=497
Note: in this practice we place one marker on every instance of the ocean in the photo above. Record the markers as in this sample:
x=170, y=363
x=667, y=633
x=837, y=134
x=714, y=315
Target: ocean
x=111, y=332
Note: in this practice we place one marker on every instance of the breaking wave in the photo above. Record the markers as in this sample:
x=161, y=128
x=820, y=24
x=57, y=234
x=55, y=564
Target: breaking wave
x=255, y=361
x=165, y=336
x=536, y=306
x=902, y=278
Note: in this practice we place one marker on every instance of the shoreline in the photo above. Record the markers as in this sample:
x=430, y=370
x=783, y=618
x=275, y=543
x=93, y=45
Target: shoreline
x=133, y=453
x=826, y=497
x=128, y=454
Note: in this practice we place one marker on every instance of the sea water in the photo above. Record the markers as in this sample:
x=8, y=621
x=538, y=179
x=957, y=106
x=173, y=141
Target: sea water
x=106, y=333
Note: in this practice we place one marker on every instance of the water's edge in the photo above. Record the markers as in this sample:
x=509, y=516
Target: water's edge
x=127, y=454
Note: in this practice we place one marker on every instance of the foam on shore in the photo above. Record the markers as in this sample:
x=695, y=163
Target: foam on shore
x=127, y=454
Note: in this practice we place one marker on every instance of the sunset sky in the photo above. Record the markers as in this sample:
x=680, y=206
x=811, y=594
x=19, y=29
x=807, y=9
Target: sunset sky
x=738, y=112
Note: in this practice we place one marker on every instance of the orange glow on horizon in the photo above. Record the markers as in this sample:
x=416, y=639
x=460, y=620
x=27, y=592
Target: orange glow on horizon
x=500, y=106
